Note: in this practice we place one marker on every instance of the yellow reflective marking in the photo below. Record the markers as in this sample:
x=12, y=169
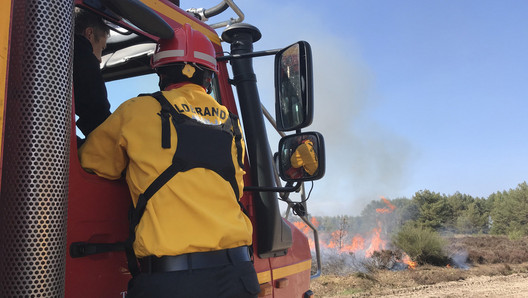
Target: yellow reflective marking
x=264, y=277
x=181, y=18
x=291, y=269
x=5, y=20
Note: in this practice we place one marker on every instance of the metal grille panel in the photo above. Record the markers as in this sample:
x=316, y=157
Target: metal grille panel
x=33, y=202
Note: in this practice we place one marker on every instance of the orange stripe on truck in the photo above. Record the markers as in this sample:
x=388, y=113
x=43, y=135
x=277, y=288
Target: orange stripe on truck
x=5, y=21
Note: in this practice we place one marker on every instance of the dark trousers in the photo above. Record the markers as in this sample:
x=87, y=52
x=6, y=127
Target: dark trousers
x=237, y=280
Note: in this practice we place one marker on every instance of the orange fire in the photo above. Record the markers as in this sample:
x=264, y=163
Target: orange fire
x=358, y=243
x=306, y=230
x=337, y=241
x=362, y=245
x=301, y=226
x=376, y=243
x=407, y=260
x=385, y=210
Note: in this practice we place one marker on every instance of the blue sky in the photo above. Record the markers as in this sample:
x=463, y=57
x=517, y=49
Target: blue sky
x=410, y=95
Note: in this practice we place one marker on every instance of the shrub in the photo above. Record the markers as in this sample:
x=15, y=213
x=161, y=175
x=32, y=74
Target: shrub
x=515, y=234
x=423, y=245
x=491, y=249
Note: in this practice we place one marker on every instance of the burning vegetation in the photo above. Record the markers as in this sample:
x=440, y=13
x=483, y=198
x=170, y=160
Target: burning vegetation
x=429, y=239
x=360, y=250
x=407, y=233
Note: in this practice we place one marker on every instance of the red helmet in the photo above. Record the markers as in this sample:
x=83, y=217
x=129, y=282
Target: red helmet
x=187, y=45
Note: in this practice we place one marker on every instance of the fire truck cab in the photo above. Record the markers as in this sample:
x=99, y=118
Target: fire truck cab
x=61, y=228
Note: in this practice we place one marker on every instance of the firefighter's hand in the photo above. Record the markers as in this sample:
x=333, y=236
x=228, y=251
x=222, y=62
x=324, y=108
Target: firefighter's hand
x=304, y=156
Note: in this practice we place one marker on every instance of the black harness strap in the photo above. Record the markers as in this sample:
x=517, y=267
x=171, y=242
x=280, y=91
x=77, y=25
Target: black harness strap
x=179, y=164
x=165, y=128
x=166, y=111
x=178, y=118
x=137, y=212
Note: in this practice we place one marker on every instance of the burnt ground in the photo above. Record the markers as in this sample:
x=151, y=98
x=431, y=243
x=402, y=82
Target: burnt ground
x=490, y=266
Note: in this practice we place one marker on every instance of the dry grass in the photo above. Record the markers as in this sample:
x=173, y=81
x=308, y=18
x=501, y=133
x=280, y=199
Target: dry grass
x=490, y=249
x=482, y=256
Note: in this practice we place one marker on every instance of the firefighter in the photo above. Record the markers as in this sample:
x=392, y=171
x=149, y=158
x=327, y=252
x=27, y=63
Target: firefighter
x=303, y=160
x=182, y=154
x=91, y=101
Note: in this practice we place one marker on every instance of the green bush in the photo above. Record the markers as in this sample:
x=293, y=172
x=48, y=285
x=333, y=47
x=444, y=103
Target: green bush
x=515, y=234
x=423, y=245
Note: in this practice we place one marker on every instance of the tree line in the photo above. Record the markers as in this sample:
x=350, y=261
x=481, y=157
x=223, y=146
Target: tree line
x=501, y=213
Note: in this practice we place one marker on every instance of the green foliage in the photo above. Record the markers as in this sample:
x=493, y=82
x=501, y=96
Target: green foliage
x=434, y=209
x=457, y=213
x=474, y=219
x=460, y=218
x=510, y=211
x=406, y=210
x=515, y=235
x=422, y=244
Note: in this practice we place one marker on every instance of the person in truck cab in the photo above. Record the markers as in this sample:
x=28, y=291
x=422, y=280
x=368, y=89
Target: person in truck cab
x=182, y=154
x=91, y=102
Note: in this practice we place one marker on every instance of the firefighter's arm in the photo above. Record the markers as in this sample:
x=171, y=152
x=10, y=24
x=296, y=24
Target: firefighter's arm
x=304, y=156
x=104, y=151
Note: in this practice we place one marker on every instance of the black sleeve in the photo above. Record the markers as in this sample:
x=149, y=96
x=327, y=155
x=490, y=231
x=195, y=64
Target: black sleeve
x=91, y=102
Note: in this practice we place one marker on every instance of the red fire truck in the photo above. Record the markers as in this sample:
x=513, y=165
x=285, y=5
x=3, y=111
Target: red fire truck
x=61, y=228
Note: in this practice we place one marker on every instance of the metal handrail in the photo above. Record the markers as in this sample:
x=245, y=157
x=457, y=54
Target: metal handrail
x=202, y=13
x=317, y=248
x=231, y=21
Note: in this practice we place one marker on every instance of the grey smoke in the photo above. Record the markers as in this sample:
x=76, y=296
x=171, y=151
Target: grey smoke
x=364, y=159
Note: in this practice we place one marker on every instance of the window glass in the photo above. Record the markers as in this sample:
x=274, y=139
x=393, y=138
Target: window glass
x=121, y=90
x=215, y=90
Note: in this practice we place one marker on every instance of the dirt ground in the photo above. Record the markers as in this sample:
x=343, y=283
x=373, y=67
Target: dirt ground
x=514, y=285
x=482, y=281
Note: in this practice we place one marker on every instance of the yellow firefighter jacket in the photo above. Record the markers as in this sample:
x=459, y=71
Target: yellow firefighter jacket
x=304, y=156
x=197, y=210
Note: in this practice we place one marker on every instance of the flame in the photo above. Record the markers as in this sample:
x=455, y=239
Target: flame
x=358, y=243
x=376, y=243
x=337, y=241
x=307, y=230
x=407, y=260
x=361, y=245
x=301, y=226
x=385, y=210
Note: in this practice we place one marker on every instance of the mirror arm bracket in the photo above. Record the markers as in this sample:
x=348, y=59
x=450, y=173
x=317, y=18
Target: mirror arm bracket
x=287, y=188
x=248, y=55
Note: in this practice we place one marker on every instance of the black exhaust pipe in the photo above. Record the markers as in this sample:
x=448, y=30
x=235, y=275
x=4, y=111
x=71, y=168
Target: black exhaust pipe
x=273, y=234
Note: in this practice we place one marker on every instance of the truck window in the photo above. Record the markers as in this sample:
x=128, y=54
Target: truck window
x=121, y=90
x=124, y=89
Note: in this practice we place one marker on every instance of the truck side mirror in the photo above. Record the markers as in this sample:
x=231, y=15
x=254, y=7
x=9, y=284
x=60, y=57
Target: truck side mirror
x=301, y=157
x=294, y=87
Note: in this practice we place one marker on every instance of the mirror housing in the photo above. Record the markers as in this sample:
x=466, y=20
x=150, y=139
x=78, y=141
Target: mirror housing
x=301, y=157
x=294, y=87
